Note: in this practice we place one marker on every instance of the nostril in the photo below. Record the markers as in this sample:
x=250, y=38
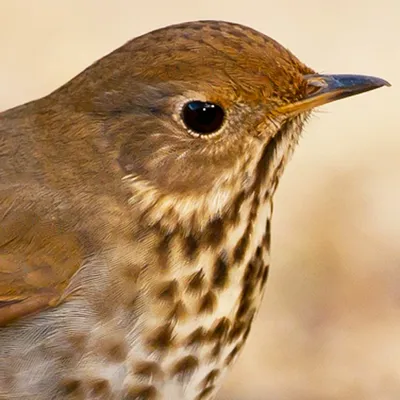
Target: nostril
x=314, y=85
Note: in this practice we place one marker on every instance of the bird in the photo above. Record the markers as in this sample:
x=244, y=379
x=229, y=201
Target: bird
x=135, y=212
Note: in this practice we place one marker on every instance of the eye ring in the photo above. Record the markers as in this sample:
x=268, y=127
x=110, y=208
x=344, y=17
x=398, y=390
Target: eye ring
x=202, y=118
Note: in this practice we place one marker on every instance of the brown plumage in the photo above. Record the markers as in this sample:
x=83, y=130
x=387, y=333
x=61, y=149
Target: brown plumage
x=135, y=205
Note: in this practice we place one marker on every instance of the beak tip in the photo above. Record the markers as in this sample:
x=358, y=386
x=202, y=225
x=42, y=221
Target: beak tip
x=379, y=82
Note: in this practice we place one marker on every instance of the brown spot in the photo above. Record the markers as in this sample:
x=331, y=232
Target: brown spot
x=250, y=275
x=216, y=351
x=232, y=355
x=265, y=162
x=148, y=370
x=220, y=330
x=179, y=312
x=161, y=339
x=206, y=393
x=214, y=232
x=248, y=329
x=264, y=276
x=195, y=282
x=234, y=213
x=167, y=291
x=113, y=347
x=208, y=303
x=275, y=181
x=260, y=273
x=210, y=378
x=163, y=251
x=141, y=392
x=259, y=264
x=241, y=247
x=71, y=385
x=220, y=273
x=185, y=368
x=258, y=254
x=249, y=285
x=244, y=306
x=191, y=247
x=254, y=207
x=267, y=236
x=237, y=330
x=100, y=387
x=196, y=338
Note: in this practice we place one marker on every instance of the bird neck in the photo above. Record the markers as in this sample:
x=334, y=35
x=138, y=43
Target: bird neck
x=201, y=288
x=200, y=294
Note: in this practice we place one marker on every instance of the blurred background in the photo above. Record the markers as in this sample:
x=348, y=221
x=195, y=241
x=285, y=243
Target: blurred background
x=329, y=327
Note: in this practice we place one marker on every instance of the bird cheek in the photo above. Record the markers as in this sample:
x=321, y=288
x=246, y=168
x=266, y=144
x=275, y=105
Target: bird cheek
x=177, y=176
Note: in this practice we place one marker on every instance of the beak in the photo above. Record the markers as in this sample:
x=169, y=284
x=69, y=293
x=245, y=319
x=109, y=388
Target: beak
x=323, y=89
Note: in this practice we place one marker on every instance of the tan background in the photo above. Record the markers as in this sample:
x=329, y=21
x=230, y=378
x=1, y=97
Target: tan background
x=330, y=324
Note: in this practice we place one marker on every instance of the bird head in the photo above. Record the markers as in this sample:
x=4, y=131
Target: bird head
x=201, y=112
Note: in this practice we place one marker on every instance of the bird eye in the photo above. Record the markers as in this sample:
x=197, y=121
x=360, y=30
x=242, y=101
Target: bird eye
x=203, y=118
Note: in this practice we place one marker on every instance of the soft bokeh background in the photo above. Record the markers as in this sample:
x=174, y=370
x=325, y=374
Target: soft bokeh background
x=329, y=327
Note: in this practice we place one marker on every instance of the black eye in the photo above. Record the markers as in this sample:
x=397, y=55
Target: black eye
x=202, y=117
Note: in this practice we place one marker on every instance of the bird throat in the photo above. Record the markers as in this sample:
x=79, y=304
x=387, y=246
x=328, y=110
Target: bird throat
x=208, y=288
